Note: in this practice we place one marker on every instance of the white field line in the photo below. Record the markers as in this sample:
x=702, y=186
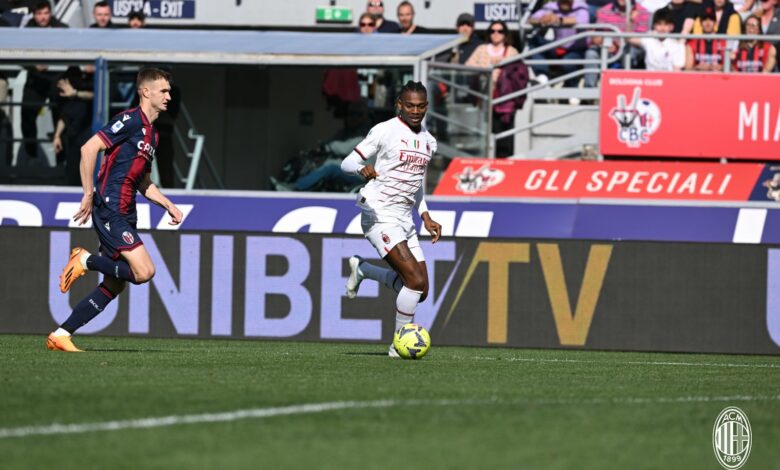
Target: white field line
x=311, y=408
x=640, y=363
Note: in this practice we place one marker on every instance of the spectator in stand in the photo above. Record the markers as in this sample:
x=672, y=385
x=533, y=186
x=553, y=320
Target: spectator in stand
x=377, y=8
x=727, y=20
x=662, y=54
x=496, y=50
x=770, y=17
x=706, y=55
x=42, y=17
x=101, y=12
x=683, y=14
x=487, y=55
x=465, y=26
x=136, y=20
x=73, y=128
x=595, y=5
x=615, y=14
x=752, y=55
x=459, y=55
x=367, y=23
x=405, y=14
x=770, y=25
x=558, y=15
x=323, y=173
x=40, y=85
x=744, y=7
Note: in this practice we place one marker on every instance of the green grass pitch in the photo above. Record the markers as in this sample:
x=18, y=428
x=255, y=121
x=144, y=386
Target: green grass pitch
x=263, y=404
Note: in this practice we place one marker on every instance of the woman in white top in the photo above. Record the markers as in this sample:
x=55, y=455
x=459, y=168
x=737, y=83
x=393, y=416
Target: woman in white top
x=401, y=149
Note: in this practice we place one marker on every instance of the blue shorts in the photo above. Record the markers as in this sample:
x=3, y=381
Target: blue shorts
x=116, y=233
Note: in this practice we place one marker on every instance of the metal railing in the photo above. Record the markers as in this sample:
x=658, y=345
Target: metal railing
x=611, y=32
x=198, y=153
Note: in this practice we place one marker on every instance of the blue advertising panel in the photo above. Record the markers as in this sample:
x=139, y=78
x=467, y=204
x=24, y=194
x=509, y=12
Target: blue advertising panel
x=265, y=212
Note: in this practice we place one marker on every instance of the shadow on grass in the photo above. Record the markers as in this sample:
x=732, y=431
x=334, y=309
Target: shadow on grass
x=362, y=353
x=129, y=350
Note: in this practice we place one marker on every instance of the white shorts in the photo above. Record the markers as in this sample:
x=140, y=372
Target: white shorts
x=384, y=236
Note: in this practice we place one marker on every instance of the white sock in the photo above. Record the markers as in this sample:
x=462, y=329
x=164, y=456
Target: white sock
x=83, y=259
x=388, y=277
x=405, y=305
x=61, y=332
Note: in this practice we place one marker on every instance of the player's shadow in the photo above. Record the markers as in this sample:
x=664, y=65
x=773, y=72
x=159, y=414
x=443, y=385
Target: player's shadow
x=129, y=350
x=365, y=353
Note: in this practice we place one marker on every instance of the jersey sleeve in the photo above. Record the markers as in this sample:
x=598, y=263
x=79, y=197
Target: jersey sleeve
x=369, y=146
x=118, y=129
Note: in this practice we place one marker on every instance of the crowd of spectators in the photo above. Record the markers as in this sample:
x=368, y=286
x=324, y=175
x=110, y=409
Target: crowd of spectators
x=676, y=16
x=69, y=94
x=554, y=20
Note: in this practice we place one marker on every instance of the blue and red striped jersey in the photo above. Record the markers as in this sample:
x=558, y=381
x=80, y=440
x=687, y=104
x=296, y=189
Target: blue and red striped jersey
x=131, y=143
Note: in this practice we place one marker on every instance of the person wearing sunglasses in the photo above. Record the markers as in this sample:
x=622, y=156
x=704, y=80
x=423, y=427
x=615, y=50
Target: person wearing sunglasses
x=498, y=48
x=377, y=8
x=495, y=51
x=367, y=23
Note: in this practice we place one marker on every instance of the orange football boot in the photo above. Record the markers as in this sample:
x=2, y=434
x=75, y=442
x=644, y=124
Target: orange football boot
x=73, y=270
x=61, y=343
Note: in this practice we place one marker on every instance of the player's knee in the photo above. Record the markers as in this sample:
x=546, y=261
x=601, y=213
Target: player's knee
x=417, y=282
x=143, y=274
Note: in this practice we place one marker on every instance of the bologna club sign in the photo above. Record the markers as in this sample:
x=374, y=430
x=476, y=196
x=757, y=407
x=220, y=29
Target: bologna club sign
x=690, y=115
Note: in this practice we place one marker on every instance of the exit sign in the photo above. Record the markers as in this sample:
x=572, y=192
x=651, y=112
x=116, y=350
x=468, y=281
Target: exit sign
x=334, y=15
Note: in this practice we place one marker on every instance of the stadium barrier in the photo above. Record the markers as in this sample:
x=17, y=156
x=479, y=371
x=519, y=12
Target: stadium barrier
x=641, y=296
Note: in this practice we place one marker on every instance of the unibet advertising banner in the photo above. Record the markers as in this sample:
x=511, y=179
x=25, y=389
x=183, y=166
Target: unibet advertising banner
x=719, y=298
x=693, y=115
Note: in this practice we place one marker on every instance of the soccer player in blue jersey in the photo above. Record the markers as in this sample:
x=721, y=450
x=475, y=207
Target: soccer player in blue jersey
x=129, y=141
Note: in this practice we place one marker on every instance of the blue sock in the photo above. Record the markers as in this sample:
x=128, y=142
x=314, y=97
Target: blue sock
x=88, y=308
x=118, y=269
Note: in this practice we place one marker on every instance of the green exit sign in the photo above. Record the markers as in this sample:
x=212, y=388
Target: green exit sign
x=334, y=15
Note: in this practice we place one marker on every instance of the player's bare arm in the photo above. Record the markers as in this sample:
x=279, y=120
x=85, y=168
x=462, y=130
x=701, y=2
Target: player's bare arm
x=89, y=153
x=153, y=194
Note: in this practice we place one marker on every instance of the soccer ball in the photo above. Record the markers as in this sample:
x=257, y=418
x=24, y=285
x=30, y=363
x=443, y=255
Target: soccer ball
x=412, y=341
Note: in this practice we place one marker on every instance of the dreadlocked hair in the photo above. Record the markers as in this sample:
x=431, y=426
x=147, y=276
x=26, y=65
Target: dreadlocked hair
x=414, y=87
